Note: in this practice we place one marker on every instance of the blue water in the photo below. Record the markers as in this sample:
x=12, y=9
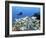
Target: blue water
x=26, y=11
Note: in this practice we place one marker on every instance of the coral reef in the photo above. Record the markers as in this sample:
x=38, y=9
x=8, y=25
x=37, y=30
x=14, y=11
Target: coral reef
x=26, y=23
